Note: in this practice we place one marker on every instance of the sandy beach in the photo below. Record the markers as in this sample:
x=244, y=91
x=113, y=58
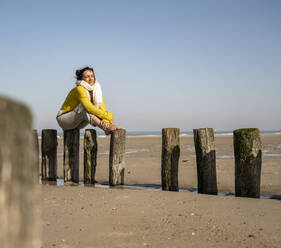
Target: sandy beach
x=141, y=215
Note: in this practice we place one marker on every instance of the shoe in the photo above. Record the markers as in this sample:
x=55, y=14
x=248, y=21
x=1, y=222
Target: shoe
x=109, y=128
x=106, y=127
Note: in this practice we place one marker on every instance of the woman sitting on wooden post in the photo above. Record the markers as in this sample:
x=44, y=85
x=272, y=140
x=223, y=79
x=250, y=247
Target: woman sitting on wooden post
x=85, y=105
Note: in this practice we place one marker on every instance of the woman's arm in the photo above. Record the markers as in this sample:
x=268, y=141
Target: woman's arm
x=101, y=112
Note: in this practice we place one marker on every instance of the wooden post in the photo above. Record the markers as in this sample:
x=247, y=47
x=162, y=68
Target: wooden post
x=71, y=155
x=49, y=154
x=117, y=157
x=204, y=142
x=248, y=160
x=19, y=191
x=170, y=158
x=90, y=155
x=36, y=149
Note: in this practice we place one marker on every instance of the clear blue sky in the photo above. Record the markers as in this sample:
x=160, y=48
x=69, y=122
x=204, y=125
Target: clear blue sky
x=185, y=64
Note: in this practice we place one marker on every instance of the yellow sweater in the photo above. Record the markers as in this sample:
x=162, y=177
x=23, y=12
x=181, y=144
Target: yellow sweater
x=79, y=95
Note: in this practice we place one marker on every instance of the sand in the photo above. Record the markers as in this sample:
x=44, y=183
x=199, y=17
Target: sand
x=139, y=216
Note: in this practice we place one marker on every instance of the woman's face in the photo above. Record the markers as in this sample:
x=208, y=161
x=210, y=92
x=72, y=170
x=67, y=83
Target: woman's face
x=88, y=76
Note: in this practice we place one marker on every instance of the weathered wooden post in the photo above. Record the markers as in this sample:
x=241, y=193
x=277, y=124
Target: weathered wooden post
x=19, y=190
x=117, y=157
x=204, y=142
x=90, y=155
x=248, y=160
x=71, y=155
x=49, y=154
x=170, y=158
x=36, y=149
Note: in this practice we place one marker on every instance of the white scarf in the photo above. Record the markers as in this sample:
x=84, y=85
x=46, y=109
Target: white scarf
x=96, y=88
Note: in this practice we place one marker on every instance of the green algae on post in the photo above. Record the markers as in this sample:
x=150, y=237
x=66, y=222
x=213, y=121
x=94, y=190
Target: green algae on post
x=36, y=149
x=49, y=154
x=248, y=162
x=71, y=141
x=170, y=158
x=117, y=157
x=204, y=143
x=90, y=155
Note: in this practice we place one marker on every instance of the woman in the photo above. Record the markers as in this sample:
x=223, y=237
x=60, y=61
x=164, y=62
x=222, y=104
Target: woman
x=85, y=105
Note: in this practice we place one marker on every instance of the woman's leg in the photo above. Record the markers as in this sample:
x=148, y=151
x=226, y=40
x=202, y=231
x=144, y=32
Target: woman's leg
x=77, y=118
x=80, y=118
x=106, y=127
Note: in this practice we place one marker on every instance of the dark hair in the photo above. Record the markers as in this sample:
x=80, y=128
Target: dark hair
x=79, y=72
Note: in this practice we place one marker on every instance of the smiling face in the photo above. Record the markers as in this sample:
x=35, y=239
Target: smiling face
x=88, y=76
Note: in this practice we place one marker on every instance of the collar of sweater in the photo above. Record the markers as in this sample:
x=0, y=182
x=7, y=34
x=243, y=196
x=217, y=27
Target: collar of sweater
x=85, y=85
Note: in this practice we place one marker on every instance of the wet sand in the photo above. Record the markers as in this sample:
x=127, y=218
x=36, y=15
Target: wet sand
x=95, y=217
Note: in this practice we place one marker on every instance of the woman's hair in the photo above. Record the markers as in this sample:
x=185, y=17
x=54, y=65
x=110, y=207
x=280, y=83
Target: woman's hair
x=79, y=72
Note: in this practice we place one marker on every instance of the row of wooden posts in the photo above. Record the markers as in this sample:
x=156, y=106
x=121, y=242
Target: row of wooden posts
x=247, y=152
x=71, y=155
